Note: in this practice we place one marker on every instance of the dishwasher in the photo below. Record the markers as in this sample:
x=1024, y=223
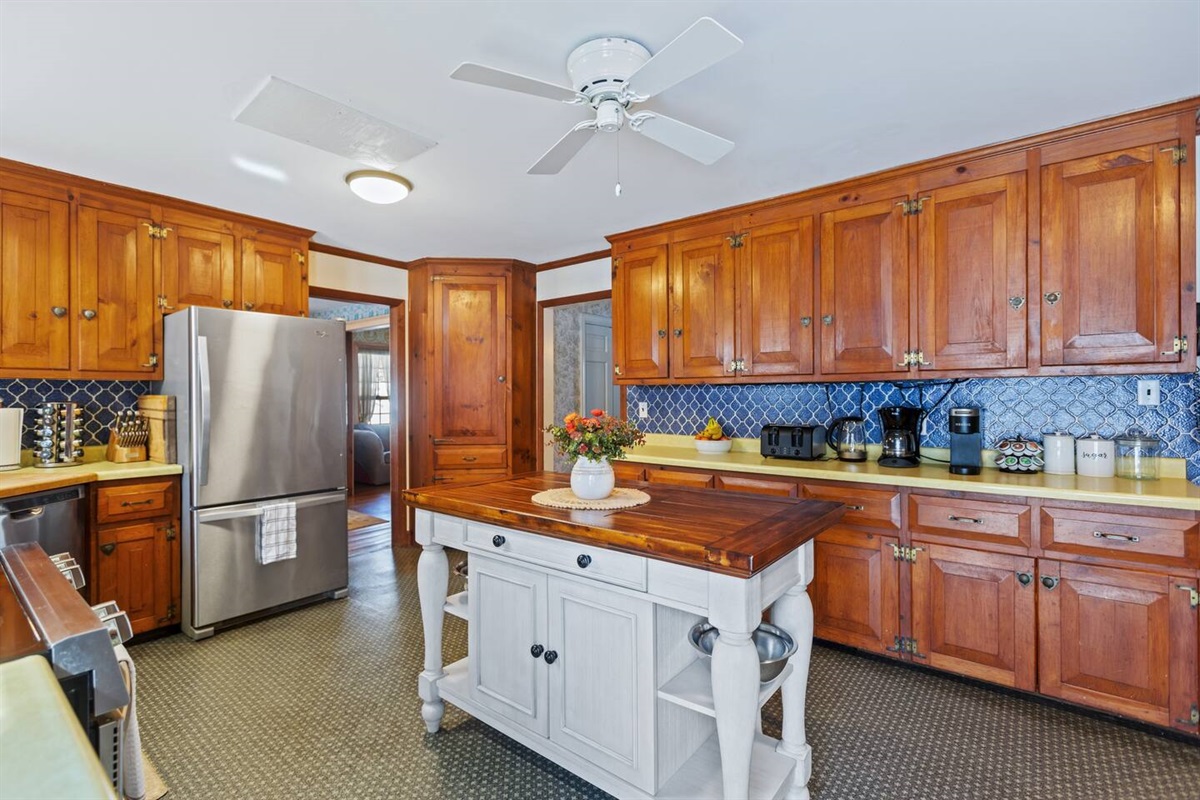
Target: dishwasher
x=55, y=519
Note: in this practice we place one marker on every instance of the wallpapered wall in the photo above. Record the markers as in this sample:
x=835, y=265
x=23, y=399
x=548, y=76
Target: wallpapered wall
x=101, y=400
x=325, y=309
x=1025, y=406
x=566, y=361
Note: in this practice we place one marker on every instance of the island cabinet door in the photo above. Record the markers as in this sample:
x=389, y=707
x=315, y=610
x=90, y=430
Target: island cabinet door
x=856, y=590
x=602, y=681
x=507, y=642
x=972, y=613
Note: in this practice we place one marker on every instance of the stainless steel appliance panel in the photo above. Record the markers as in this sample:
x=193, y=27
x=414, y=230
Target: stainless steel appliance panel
x=268, y=406
x=228, y=581
x=54, y=519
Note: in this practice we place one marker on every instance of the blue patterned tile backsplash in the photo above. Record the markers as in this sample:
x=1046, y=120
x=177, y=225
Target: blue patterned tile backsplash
x=1025, y=406
x=101, y=401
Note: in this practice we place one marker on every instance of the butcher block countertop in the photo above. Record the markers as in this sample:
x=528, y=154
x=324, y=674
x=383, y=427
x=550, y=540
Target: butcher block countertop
x=727, y=532
x=31, y=479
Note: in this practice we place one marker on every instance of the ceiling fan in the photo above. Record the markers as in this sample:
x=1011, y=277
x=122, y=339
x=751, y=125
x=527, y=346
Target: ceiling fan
x=611, y=74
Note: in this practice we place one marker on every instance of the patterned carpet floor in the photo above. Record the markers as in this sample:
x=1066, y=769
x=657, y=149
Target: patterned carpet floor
x=321, y=703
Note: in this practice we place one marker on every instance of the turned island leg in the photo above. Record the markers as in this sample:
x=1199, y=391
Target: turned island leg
x=433, y=574
x=794, y=613
x=735, y=610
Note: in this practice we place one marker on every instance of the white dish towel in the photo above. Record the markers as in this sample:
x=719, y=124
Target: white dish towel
x=276, y=532
x=133, y=776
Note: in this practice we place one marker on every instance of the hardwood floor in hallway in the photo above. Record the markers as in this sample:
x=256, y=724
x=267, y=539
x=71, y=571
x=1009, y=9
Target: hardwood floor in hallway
x=377, y=502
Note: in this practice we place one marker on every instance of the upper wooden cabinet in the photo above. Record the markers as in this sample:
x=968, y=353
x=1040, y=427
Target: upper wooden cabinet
x=640, y=312
x=775, y=299
x=1110, y=257
x=34, y=282
x=702, y=307
x=864, y=288
x=87, y=271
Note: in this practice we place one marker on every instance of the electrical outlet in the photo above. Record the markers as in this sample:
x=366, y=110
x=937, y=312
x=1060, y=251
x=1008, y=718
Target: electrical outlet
x=644, y=410
x=1147, y=392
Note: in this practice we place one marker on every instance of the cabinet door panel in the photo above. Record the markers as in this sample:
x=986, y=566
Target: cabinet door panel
x=508, y=617
x=1110, y=639
x=34, y=279
x=972, y=260
x=864, y=289
x=116, y=289
x=702, y=308
x=1110, y=251
x=640, y=315
x=971, y=615
x=469, y=380
x=133, y=568
x=197, y=267
x=856, y=590
x=775, y=286
x=273, y=279
x=602, y=684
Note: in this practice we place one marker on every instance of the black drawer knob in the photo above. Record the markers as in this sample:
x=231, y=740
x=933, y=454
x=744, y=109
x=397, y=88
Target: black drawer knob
x=497, y=540
x=583, y=561
x=536, y=651
x=550, y=656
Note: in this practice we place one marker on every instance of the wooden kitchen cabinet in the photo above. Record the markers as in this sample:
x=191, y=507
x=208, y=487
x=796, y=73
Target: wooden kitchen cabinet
x=199, y=261
x=973, y=614
x=274, y=278
x=640, y=314
x=135, y=552
x=1121, y=640
x=1110, y=269
x=856, y=590
x=116, y=303
x=34, y=282
x=702, y=308
x=775, y=299
x=864, y=289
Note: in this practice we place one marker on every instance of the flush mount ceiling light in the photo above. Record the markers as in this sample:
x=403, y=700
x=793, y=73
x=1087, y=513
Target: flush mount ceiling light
x=377, y=186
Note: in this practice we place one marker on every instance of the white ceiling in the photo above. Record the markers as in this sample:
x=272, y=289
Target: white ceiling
x=145, y=94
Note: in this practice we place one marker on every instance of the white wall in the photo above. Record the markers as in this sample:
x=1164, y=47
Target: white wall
x=590, y=276
x=351, y=275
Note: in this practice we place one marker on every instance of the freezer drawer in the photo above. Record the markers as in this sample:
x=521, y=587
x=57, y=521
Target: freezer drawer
x=226, y=579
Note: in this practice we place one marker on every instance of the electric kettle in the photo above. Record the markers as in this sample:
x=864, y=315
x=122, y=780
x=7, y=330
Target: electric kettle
x=848, y=436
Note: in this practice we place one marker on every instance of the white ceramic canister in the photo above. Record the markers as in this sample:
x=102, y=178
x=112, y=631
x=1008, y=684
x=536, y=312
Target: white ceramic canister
x=1095, y=457
x=1059, y=453
x=10, y=437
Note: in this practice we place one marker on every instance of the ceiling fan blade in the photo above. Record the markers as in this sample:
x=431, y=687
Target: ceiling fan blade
x=498, y=78
x=567, y=148
x=699, y=47
x=705, y=147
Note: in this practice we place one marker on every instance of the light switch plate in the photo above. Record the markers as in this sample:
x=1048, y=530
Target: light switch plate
x=643, y=411
x=1147, y=392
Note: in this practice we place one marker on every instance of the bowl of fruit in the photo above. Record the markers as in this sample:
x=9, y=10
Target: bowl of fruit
x=713, y=439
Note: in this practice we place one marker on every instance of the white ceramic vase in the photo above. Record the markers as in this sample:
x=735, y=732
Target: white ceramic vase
x=592, y=480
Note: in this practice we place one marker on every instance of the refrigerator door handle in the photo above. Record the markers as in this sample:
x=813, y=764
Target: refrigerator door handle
x=255, y=509
x=205, y=409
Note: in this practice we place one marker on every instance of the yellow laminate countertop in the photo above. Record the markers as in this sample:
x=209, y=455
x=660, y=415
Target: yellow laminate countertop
x=1172, y=491
x=32, y=479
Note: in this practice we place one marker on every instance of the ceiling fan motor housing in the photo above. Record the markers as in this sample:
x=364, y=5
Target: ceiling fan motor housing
x=599, y=68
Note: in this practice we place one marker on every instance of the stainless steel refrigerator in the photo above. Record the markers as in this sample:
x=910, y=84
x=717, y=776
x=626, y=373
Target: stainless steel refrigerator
x=261, y=419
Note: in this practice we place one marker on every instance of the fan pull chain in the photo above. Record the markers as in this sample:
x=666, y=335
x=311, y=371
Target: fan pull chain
x=617, y=189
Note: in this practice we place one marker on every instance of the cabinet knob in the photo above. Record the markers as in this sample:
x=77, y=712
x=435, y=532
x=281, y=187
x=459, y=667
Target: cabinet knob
x=827, y=319
x=662, y=333
x=107, y=549
x=1024, y=578
x=1052, y=297
x=1049, y=582
x=498, y=541
x=805, y=321
x=227, y=304
x=500, y=379
x=58, y=311
x=248, y=306
x=583, y=561
x=536, y=651
x=89, y=313
x=550, y=656
x=1016, y=302
x=678, y=333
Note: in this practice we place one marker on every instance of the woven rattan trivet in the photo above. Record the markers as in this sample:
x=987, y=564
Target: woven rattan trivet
x=565, y=498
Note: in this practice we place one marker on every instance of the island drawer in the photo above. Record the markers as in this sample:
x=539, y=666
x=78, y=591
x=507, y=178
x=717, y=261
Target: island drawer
x=1166, y=540
x=878, y=508
x=140, y=500
x=469, y=457
x=587, y=561
x=983, y=521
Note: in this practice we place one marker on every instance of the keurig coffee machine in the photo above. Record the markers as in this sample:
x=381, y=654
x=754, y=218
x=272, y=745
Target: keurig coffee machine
x=966, y=441
x=901, y=436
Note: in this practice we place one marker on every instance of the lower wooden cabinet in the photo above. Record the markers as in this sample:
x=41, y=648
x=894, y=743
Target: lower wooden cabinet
x=677, y=477
x=1121, y=640
x=973, y=613
x=136, y=557
x=856, y=590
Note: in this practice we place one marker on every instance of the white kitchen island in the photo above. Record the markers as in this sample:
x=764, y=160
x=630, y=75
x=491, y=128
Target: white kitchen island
x=578, y=625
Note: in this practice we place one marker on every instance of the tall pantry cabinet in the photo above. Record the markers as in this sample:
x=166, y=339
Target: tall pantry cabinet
x=472, y=394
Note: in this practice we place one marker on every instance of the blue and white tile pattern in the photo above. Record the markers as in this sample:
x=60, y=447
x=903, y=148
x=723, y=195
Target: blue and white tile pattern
x=101, y=401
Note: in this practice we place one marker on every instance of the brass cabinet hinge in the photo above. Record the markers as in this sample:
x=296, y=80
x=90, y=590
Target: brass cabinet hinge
x=1178, y=153
x=908, y=554
x=909, y=356
x=905, y=644
x=736, y=240
x=300, y=257
x=737, y=365
x=171, y=612
x=156, y=231
x=1194, y=596
x=913, y=207
x=1179, y=345
x=1193, y=718
x=170, y=532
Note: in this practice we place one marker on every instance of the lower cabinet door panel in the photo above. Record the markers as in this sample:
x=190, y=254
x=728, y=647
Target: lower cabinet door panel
x=602, y=699
x=856, y=591
x=973, y=614
x=1120, y=640
x=508, y=617
x=132, y=568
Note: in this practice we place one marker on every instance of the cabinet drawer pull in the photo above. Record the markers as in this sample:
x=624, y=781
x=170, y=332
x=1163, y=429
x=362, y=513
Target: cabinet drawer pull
x=1118, y=537
x=583, y=561
x=1049, y=582
x=550, y=656
x=470, y=458
x=536, y=651
x=972, y=520
x=1024, y=578
x=132, y=503
x=856, y=507
x=498, y=541
x=439, y=478
x=107, y=549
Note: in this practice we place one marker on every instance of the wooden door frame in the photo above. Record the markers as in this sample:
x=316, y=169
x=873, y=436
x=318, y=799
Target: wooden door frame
x=401, y=535
x=540, y=363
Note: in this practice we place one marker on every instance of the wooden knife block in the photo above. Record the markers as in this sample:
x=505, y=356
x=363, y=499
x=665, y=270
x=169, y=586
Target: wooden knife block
x=123, y=455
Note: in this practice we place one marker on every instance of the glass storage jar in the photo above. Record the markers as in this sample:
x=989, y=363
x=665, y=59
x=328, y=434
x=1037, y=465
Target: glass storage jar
x=1137, y=455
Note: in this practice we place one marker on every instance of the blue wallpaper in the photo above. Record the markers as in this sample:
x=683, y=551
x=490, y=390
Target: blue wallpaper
x=1026, y=406
x=347, y=311
x=101, y=401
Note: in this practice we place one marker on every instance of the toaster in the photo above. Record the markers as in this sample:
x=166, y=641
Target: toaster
x=805, y=442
